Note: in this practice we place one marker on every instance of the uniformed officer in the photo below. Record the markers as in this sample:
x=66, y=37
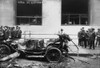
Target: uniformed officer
x=92, y=38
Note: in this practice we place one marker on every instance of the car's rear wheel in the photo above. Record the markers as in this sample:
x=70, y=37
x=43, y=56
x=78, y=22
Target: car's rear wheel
x=4, y=50
x=53, y=55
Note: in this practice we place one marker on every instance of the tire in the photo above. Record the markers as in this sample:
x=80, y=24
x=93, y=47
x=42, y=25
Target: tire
x=4, y=50
x=53, y=55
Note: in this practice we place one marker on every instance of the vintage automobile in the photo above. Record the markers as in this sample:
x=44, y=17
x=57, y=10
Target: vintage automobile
x=30, y=48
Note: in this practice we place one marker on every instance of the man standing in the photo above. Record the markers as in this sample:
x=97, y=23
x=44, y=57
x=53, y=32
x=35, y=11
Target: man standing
x=13, y=34
x=18, y=32
x=61, y=32
x=98, y=37
x=82, y=37
x=92, y=38
x=6, y=32
x=79, y=38
x=87, y=37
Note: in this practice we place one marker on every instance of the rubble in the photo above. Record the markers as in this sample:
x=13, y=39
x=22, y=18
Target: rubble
x=11, y=56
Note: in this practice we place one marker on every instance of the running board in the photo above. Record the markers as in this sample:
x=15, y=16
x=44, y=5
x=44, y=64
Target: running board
x=35, y=56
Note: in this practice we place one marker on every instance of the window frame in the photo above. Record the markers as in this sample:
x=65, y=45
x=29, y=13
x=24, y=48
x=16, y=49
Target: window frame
x=80, y=24
x=28, y=17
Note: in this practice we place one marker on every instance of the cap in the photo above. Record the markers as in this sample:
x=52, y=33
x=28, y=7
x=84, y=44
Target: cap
x=61, y=29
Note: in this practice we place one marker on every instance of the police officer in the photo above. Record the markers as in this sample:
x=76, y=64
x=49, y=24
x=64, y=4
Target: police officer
x=92, y=38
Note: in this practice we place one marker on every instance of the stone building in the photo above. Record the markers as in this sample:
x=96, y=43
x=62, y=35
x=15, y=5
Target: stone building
x=48, y=16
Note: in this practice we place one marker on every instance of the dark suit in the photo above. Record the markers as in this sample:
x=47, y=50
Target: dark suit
x=18, y=34
x=82, y=38
x=92, y=40
x=13, y=34
x=6, y=34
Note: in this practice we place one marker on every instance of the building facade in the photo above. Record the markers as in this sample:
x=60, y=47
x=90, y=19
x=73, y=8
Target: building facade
x=50, y=15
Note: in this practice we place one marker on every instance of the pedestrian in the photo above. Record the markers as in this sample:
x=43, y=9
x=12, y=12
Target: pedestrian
x=61, y=32
x=87, y=38
x=92, y=38
x=6, y=32
x=98, y=37
x=79, y=38
x=18, y=32
x=82, y=37
x=13, y=33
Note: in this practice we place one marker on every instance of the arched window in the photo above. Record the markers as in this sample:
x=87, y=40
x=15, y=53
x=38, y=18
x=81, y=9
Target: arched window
x=29, y=12
x=75, y=12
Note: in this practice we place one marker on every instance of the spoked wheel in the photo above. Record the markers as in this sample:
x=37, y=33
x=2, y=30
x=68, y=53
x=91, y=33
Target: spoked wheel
x=53, y=55
x=4, y=50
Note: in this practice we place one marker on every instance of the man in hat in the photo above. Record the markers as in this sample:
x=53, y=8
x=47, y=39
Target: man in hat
x=82, y=37
x=61, y=32
x=98, y=37
x=6, y=32
x=92, y=38
x=18, y=32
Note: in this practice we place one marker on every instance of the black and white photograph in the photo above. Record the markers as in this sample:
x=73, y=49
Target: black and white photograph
x=49, y=33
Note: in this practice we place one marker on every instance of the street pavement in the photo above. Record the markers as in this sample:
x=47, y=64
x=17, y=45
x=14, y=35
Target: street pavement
x=84, y=58
x=81, y=61
x=83, y=51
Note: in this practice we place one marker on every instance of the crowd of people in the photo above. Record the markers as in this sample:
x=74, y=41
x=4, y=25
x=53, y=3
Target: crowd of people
x=7, y=32
x=89, y=38
x=86, y=38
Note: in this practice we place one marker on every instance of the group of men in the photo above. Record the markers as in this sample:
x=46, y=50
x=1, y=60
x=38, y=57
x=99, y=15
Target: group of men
x=89, y=38
x=7, y=32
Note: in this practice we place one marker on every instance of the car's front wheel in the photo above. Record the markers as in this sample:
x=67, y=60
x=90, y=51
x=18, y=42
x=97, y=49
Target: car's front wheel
x=53, y=55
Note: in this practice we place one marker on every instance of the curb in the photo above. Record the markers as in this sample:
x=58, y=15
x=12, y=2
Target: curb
x=81, y=54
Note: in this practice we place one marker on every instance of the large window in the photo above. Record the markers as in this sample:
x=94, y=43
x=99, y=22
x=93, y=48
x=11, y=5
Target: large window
x=75, y=12
x=29, y=12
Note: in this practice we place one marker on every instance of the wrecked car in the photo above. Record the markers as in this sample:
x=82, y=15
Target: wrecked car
x=31, y=48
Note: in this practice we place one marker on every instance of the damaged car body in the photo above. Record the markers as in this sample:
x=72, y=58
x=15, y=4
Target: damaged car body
x=31, y=48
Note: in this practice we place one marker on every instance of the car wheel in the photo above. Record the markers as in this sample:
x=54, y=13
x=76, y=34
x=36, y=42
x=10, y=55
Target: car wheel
x=53, y=55
x=4, y=50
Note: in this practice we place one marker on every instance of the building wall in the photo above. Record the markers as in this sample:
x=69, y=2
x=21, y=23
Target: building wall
x=51, y=21
x=95, y=12
x=51, y=18
x=7, y=12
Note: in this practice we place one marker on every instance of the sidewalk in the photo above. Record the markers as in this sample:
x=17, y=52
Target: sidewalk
x=84, y=51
